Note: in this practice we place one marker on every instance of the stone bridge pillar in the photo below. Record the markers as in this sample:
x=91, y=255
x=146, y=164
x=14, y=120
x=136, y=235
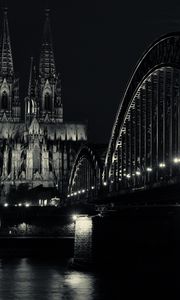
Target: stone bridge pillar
x=83, y=240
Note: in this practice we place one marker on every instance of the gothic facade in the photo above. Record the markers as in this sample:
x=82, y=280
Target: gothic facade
x=36, y=146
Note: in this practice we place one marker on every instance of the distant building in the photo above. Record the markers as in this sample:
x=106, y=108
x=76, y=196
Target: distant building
x=36, y=146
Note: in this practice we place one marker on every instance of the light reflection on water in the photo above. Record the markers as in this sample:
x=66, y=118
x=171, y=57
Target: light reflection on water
x=27, y=279
x=30, y=279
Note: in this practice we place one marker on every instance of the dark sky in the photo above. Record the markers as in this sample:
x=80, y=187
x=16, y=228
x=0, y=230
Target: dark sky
x=97, y=45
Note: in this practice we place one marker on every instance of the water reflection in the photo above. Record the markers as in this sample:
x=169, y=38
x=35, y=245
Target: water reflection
x=27, y=279
x=79, y=285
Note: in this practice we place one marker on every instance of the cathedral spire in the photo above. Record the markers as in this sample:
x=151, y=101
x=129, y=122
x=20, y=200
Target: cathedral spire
x=6, y=61
x=31, y=103
x=47, y=63
x=32, y=80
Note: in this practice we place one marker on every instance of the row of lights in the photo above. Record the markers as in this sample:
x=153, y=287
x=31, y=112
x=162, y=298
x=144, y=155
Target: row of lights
x=17, y=205
x=77, y=193
x=80, y=192
x=162, y=165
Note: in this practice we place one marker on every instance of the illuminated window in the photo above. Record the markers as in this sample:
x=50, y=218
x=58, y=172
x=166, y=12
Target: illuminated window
x=4, y=101
x=47, y=101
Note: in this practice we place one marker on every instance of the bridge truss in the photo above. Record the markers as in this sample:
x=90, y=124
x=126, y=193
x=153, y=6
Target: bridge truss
x=86, y=175
x=144, y=148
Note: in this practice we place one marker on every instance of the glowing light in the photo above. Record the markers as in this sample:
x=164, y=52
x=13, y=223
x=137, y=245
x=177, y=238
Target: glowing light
x=68, y=196
x=149, y=169
x=75, y=194
x=105, y=183
x=77, y=280
x=162, y=165
x=79, y=192
x=176, y=160
x=128, y=176
x=83, y=225
x=6, y=204
x=92, y=188
x=27, y=204
x=83, y=191
x=20, y=204
x=74, y=217
x=138, y=173
x=22, y=227
x=112, y=181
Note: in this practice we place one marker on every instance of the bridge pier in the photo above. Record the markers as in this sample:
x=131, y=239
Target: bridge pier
x=83, y=252
x=96, y=239
x=128, y=238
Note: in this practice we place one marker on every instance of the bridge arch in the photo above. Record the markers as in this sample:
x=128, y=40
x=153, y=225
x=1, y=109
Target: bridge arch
x=86, y=175
x=144, y=147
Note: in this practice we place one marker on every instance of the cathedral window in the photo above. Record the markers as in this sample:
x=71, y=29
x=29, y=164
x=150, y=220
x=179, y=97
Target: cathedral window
x=36, y=159
x=4, y=101
x=47, y=102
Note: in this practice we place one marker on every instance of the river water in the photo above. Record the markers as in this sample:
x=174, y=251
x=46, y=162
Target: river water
x=31, y=279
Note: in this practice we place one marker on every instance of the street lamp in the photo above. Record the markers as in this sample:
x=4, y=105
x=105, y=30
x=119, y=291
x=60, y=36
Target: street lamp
x=74, y=217
x=162, y=165
x=176, y=160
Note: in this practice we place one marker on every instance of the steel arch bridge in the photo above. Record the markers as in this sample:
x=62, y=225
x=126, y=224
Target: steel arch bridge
x=144, y=147
x=86, y=174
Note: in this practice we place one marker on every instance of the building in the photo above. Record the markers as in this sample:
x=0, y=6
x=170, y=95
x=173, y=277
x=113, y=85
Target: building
x=36, y=146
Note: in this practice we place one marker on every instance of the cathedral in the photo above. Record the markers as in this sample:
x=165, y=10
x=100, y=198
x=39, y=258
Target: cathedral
x=36, y=147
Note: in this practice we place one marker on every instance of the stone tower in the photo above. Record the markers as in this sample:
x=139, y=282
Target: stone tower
x=44, y=93
x=49, y=82
x=10, y=107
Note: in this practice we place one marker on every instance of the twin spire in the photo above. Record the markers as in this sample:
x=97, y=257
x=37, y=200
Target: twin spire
x=6, y=60
x=44, y=89
x=47, y=62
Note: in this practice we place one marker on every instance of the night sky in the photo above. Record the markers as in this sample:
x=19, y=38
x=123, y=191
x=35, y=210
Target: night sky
x=96, y=44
